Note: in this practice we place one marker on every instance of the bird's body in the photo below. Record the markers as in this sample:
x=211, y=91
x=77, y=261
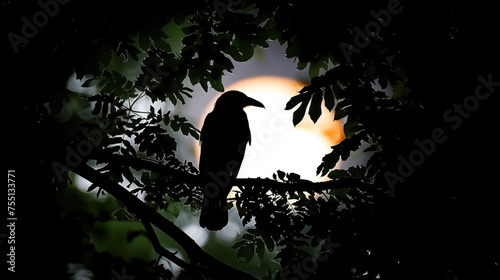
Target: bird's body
x=224, y=136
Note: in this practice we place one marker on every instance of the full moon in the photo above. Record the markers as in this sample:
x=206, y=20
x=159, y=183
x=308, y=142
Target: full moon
x=276, y=143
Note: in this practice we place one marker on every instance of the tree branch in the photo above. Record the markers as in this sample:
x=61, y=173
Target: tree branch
x=160, y=250
x=197, y=256
x=189, y=178
x=200, y=261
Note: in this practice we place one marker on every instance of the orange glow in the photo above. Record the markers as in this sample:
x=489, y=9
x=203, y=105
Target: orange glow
x=335, y=133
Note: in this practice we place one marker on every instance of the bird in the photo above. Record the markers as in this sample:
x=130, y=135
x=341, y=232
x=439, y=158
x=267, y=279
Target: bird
x=224, y=136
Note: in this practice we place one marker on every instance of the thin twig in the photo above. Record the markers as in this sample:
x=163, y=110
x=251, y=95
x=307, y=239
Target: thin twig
x=162, y=251
x=204, y=261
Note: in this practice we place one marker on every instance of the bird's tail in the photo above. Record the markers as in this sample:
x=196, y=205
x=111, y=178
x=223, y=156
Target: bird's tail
x=214, y=216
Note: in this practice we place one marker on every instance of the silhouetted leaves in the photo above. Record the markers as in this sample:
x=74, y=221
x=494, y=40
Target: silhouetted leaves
x=352, y=172
x=315, y=108
x=303, y=100
x=415, y=65
x=186, y=128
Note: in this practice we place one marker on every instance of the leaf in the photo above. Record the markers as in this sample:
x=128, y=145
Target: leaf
x=128, y=175
x=329, y=98
x=281, y=175
x=190, y=39
x=400, y=90
x=268, y=241
x=296, y=100
x=244, y=50
x=302, y=98
x=301, y=65
x=195, y=133
x=246, y=252
x=171, y=96
x=315, y=66
x=146, y=178
x=339, y=114
x=293, y=177
x=298, y=115
x=340, y=194
x=329, y=162
x=217, y=84
x=234, y=53
x=144, y=41
x=167, y=143
x=173, y=210
x=174, y=125
x=338, y=173
x=97, y=108
x=315, y=108
x=350, y=128
x=133, y=52
x=357, y=171
x=166, y=118
x=260, y=249
x=159, y=42
x=190, y=29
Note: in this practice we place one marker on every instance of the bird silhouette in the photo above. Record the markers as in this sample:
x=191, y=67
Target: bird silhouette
x=224, y=137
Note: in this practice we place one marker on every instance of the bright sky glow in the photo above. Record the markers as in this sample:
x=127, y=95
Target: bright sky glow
x=276, y=143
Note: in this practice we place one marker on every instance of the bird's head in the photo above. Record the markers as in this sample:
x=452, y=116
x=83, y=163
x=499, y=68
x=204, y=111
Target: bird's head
x=234, y=99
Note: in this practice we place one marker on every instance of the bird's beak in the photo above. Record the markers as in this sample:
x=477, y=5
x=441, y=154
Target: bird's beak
x=253, y=102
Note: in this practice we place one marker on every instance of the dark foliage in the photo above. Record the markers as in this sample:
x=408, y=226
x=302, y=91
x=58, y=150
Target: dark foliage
x=439, y=222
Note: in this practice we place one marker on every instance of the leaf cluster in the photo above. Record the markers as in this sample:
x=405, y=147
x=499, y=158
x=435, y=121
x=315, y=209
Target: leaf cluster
x=126, y=55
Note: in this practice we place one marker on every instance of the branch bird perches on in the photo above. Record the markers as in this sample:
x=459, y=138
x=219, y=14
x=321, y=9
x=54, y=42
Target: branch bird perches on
x=196, y=179
x=199, y=260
